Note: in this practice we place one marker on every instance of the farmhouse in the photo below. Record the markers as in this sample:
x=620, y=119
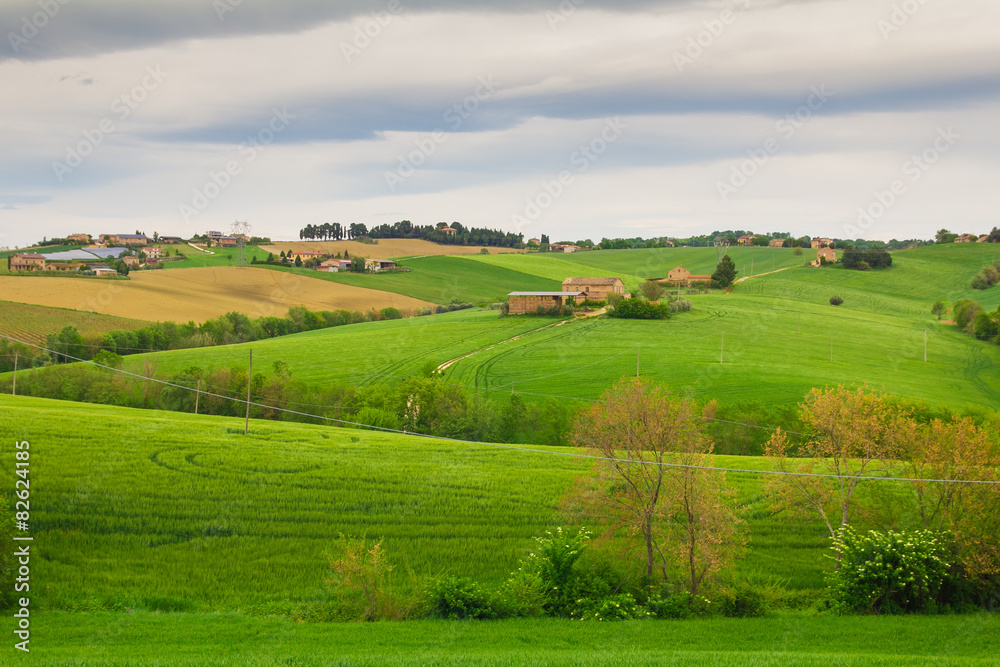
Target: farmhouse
x=102, y=270
x=334, y=265
x=213, y=236
x=828, y=254
x=682, y=275
x=171, y=240
x=78, y=238
x=152, y=253
x=131, y=239
x=966, y=238
x=819, y=242
x=746, y=239
x=303, y=254
x=776, y=243
x=535, y=241
x=131, y=261
x=449, y=230
x=563, y=247
x=595, y=289
x=228, y=242
x=520, y=303
x=27, y=261
x=376, y=265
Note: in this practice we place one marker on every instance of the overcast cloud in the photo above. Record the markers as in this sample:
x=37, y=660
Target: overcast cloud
x=671, y=118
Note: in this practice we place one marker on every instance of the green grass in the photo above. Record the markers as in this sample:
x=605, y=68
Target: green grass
x=442, y=279
x=166, y=511
x=193, y=259
x=200, y=639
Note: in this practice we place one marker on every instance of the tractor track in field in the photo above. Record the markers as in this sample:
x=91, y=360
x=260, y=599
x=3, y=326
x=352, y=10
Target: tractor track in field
x=446, y=365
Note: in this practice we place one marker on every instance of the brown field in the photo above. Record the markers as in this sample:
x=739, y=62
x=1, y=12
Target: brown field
x=199, y=294
x=33, y=323
x=384, y=249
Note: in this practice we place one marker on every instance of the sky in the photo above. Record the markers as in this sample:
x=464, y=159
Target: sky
x=573, y=118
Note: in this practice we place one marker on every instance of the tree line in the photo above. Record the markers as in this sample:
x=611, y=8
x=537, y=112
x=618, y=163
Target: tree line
x=404, y=229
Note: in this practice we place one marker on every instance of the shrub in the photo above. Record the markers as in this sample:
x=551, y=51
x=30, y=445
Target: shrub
x=985, y=326
x=424, y=312
x=987, y=278
x=390, y=313
x=797, y=251
x=441, y=309
x=458, y=598
x=637, y=309
x=360, y=578
x=836, y=301
x=889, y=572
x=621, y=607
x=524, y=594
x=679, y=305
x=744, y=602
x=864, y=266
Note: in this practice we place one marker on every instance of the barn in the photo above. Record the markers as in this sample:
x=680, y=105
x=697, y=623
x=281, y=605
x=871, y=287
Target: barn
x=520, y=303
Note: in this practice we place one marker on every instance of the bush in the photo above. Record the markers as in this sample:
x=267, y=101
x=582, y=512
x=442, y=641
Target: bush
x=390, y=313
x=744, y=602
x=441, y=309
x=985, y=326
x=679, y=305
x=864, y=266
x=890, y=572
x=797, y=251
x=458, y=598
x=636, y=309
x=621, y=607
x=836, y=301
x=424, y=312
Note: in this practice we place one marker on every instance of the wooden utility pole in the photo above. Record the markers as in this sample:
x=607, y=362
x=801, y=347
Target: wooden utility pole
x=637, y=355
x=246, y=426
x=722, y=347
x=13, y=389
x=197, y=397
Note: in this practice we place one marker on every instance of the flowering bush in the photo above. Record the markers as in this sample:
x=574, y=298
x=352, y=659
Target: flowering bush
x=621, y=607
x=889, y=572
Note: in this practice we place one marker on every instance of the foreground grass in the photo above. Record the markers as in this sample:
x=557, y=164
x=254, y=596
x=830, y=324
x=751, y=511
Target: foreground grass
x=231, y=639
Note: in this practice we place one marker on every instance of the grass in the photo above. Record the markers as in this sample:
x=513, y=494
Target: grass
x=33, y=323
x=199, y=639
x=165, y=511
x=221, y=257
x=442, y=279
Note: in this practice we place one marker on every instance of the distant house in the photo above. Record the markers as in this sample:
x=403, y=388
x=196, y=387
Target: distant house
x=303, y=254
x=819, y=242
x=519, y=303
x=102, y=270
x=376, y=265
x=985, y=238
x=828, y=254
x=776, y=243
x=449, y=230
x=682, y=275
x=227, y=242
x=595, y=289
x=131, y=261
x=535, y=241
x=334, y=265
x=27, y=261
x=563, y=247
x=152, y=253
x=746, y=239
x=966, y=238
x=171, y=240
x=78, y=238
x=213, y=236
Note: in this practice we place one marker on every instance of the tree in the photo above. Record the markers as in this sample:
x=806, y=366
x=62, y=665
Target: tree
x=944, y=236
x=725, y=272
x=856, y=433
x=652, y=290
x=647, y=482
x=358, y=264
x=939, y=309
x=298, y=261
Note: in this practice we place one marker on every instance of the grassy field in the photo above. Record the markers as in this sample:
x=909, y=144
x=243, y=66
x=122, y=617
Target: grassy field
x=195, y=259
x=33, y=323
x=384, y=248
x=442, y=279
x=198, y=294
x=216, y=639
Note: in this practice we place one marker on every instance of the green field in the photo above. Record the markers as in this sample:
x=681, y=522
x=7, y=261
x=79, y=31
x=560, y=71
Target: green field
x=774, y=334
x=443, y=279
x=194, y=259
x=33, y=323
x=200, y=639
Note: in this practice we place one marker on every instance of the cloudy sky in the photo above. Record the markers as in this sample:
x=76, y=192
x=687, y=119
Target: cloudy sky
x=575, y=118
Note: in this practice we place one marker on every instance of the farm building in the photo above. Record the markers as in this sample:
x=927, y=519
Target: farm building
x=152, y=253
x=828, y=254
x=376, y=265
x=966, y=238
x=746, y=239
x=595, y=289
x=535, y=241
x=820, y=242
x=303, y=254
x=131, y=261
x=334, y=265
x=449, y=230
x=682, y=275
x=776, y=243
x=520, y=303
x=213, y=235
x=102, y=270
x=563, y=247
x=171, y=240
x=78, y=238
x=228, y=242
x=131, y=239
x=27, y=261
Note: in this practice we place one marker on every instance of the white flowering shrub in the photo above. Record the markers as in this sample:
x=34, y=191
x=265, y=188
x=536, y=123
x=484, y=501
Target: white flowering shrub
x=890, y=572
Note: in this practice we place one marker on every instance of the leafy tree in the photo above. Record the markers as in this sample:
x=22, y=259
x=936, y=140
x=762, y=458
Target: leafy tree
x=360, y=577
x=358, y=264
x=836, y=301
x=652, y=290
x=725, y=272
x=944, y=236
x=939, y=309
x=649, y=482
x=856, y=433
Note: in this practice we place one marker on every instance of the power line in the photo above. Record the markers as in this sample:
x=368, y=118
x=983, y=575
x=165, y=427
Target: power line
x=543, y=451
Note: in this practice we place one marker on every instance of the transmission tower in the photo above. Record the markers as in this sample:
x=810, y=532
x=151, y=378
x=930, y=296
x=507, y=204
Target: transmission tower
x=241, y=231
x=721, y=247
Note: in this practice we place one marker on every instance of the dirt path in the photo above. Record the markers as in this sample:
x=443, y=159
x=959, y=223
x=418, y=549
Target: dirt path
x=757, y=275
x=443, y=367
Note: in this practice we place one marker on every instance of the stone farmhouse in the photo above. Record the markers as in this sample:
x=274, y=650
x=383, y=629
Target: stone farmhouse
x=27, y=261
x=819, y=242
x=595, y=289
x=828, y=254
x=776, y=243
x=746, y=239
x=682, y=275
x=521, y=303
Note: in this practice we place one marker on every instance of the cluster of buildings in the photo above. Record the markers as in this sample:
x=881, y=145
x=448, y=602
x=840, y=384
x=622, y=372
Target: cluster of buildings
x=818, y=242
x=587, y=289
x=92, y=259
x=972, y=238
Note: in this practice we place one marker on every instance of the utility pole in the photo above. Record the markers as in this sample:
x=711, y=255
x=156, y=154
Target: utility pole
x=831, y=346
x=246, y=426
x=197, y=397
x=722, y=347
x=637, y=355
x=751, y=266
x=925, y=346
x=13, y=389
